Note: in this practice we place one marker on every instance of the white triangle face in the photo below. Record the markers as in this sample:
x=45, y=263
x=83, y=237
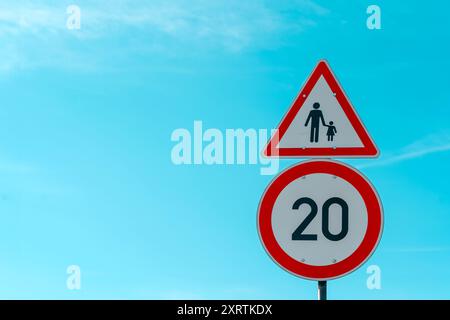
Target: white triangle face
x=299, y=136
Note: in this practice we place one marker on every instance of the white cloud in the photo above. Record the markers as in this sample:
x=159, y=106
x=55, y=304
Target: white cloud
x=19, y=17
x=430, y=144
x=37, y=29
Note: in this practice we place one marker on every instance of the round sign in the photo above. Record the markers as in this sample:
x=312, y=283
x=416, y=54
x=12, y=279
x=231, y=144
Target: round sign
x=320, y=220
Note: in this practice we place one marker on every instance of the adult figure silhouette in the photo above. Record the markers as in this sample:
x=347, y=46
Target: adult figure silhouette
x=315, y=117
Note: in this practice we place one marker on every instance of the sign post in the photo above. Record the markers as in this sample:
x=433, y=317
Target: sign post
x=320, y=219
x=322, y=290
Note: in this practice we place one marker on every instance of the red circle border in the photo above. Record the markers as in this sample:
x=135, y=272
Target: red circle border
x=341, y=268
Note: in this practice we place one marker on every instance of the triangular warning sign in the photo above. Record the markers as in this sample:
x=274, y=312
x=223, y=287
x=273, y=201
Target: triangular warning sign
x=321, y=123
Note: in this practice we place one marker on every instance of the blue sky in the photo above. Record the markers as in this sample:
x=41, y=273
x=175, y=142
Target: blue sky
x=86, y=118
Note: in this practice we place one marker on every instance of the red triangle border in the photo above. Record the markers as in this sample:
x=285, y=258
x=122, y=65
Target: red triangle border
x=369, y=149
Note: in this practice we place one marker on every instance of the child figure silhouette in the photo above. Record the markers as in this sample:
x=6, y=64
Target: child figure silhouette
x=331, y=131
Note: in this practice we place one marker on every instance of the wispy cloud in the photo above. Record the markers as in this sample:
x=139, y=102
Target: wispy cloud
x=31, y=31
x=428, y=145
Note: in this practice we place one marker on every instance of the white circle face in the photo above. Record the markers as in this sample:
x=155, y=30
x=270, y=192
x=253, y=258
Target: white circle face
x=332, y=244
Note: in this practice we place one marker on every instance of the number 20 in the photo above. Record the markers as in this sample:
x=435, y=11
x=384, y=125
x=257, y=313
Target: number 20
x=298, y=233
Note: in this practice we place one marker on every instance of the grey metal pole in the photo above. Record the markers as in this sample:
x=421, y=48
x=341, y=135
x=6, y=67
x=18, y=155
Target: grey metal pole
x=322, y=290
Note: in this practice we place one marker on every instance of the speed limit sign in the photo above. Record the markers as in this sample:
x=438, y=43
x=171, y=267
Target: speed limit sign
x=320, y=220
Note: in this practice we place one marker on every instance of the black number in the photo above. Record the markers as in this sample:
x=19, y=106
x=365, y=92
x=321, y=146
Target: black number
x=326, y=218
x=298, y=233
